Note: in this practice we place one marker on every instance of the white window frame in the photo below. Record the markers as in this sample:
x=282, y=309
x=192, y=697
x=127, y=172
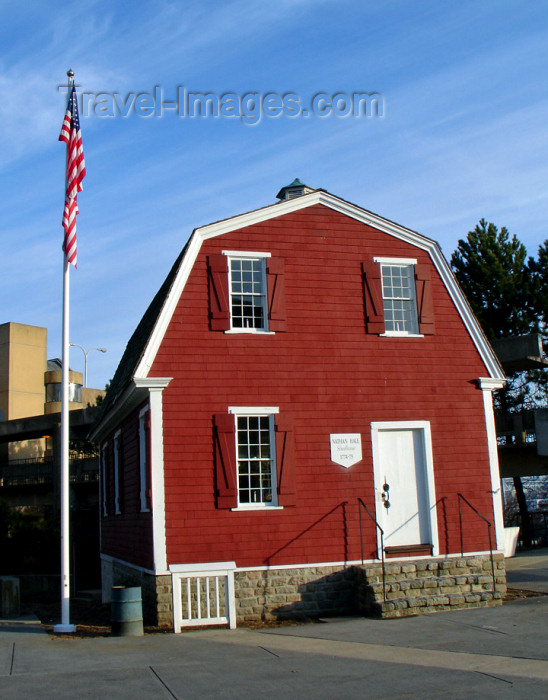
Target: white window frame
x=410, y=264
x=254, y=256
x=116, y=461
x=143, y=456
x=258, y=411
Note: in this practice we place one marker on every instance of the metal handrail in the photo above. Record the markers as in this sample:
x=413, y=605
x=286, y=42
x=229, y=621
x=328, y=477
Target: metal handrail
x=379, y=528
x=489, y=525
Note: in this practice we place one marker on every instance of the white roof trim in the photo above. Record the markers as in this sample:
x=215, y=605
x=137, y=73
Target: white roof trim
x=339, y=205
x=136, y=392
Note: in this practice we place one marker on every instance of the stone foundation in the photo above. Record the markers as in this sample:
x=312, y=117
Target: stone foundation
x=279, y=594
x=410, y=588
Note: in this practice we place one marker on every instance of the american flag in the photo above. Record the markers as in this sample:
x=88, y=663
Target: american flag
x=76, y=171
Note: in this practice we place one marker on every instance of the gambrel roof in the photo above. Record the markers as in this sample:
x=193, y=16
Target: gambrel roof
x=144, y=343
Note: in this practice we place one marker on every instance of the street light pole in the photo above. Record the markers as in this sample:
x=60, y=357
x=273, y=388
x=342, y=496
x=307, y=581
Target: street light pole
x=86, y=352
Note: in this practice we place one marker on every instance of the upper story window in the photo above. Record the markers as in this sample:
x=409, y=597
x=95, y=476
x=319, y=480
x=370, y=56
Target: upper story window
x=398, y=297
x=248, y=307
x=246, y=292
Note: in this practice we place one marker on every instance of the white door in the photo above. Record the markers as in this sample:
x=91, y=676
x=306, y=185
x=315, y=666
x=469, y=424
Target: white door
x=401, y=486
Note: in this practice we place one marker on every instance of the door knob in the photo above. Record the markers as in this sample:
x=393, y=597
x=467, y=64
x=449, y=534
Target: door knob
x=385, y=496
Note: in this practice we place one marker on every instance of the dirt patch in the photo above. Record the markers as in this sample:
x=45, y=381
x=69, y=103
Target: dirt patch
x=91, y=617
x=519, y=593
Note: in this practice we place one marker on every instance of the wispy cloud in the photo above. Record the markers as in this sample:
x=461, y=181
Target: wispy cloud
x=464, y=134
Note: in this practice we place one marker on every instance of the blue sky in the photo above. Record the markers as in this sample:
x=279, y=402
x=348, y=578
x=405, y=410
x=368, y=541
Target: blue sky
x=463, y=135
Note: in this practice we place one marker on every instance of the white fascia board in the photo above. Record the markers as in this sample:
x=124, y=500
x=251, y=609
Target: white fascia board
x=135, y=393
x=339, y=205
x=170, y=304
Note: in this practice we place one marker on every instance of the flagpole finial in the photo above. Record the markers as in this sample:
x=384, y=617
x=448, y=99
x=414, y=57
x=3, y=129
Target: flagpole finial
x=70, y=73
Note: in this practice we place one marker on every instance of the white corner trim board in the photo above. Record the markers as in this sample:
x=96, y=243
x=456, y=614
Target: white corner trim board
x=487, y=387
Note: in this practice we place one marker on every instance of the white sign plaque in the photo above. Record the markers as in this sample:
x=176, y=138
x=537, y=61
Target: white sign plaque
x=346, y=448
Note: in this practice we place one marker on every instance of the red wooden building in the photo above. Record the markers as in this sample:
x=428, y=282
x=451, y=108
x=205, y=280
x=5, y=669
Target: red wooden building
x=302, y=424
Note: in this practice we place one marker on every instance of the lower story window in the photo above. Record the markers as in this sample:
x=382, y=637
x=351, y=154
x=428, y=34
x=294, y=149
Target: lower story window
x=256, y=460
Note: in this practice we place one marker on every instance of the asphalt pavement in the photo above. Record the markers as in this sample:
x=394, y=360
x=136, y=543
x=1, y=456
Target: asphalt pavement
x=492, y=653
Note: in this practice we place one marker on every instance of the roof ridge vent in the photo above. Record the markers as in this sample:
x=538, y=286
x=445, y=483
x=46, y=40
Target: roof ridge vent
x=295, y=189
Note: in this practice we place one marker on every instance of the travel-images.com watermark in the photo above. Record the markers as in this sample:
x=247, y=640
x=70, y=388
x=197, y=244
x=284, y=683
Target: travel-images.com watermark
x=250, y=107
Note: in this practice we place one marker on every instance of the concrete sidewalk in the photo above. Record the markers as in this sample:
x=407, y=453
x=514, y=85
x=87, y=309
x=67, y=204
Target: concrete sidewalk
x=528, y=571
x=498, y=652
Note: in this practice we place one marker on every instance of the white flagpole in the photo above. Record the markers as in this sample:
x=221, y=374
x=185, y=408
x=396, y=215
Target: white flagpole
x=65, y=625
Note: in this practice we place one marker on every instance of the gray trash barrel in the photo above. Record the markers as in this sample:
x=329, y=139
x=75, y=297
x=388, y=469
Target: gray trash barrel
x=126, y=612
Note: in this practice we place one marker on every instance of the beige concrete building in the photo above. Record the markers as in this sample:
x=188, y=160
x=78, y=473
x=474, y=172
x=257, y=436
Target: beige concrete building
x=23, y=358
x=30, y=384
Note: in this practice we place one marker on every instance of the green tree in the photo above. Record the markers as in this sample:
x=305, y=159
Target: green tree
x=493, y=272
x=539, y=271
x=538, y=379
x=509, y=296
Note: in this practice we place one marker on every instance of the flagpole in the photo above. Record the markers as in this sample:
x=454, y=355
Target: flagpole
x=65, y=626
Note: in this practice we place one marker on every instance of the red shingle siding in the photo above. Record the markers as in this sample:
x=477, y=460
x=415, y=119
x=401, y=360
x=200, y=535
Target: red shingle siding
x=333, y=377
x=128, y=536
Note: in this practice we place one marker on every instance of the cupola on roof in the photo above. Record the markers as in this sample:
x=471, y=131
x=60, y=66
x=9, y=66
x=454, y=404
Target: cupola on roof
x=295, y=189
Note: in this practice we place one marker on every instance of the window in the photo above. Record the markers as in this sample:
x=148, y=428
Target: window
x=117, y=471
x=398, y=297
x=54, y=392
x=104, y=456
x=145, y=493
x=246, y=292
x=254, y=461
